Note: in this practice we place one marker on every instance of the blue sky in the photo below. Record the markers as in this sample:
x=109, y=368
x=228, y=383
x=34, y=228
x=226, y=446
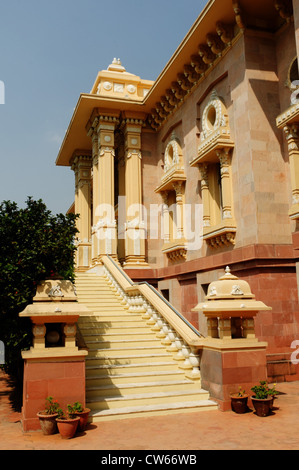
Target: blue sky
x=50, y=52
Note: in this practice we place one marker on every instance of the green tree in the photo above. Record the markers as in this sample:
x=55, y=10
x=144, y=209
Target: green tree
x=34, y=245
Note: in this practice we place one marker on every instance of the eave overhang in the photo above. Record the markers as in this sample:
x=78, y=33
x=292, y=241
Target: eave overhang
x=76, y=139
x=268, y=15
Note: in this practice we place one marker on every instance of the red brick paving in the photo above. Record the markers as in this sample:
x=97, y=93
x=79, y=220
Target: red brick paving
x=210, y=430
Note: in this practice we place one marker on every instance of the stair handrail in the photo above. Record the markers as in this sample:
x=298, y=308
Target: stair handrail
x=169, y=305
x=174, y=330
x=129, y=285
x=156, y=292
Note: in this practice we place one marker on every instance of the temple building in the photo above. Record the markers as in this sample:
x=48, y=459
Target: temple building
x=179, y=178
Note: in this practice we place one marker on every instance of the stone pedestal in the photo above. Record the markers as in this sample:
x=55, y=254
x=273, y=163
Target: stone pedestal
x=54, y=365
x=224, y=367
x=232, y=356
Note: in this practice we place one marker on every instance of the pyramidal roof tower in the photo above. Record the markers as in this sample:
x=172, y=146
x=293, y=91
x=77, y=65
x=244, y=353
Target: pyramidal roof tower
x=117, y=82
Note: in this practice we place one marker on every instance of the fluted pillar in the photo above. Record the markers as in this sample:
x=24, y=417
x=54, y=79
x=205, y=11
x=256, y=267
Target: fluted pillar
x=204, y=170
x=106, y=229
x=135, y=232
x=95, y=196
x=82, y=168
x=292, y=135
x=165, y=217
x=224, y=158
x=178, y=186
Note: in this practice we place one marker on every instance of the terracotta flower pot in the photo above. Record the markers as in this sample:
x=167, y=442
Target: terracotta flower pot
x=48, y=423
x=239, y=404
x=83, y=415
x=67, y=427
x=262, y=406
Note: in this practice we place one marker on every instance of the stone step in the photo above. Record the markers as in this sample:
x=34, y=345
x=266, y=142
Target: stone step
x=99, y=380
x=129, y=372
x=120, y=325
x=97, y=352
x=115, y=369
x=105, y=306
x=126, y=359
x=102, y=344
x=144, y=399
x=115, y=316
x=111, y=336
x=152, y=410
x=133, y=387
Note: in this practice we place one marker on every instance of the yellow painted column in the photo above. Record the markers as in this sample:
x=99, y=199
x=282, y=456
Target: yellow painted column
x=95, y=197
x=106, y=227
x=225, y=158
x=292, y=135
x=165, y=217
x=178, y=186
x=204, y=170
x=135, y=229
x=82, y=168
x=121, y=221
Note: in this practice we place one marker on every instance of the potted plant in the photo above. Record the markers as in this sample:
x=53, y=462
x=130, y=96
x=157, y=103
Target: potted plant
x=263, y=398
x=67, y=423
x=239, y=401
x=79, y=410
x=47, y=417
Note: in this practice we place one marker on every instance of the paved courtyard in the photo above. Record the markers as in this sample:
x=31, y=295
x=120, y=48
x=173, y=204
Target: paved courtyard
x=211, y=430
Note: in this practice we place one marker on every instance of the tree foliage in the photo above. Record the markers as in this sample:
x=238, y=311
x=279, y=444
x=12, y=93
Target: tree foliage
x=34, y=245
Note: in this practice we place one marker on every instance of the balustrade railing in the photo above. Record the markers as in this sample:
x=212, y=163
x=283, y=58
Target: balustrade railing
x=178, y=335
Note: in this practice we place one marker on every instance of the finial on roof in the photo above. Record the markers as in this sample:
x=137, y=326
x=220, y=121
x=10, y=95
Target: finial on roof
x=116, y=66
x=227, y=271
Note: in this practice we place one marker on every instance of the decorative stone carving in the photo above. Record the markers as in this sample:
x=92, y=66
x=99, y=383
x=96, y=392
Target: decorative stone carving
x=171, y=156
x=131, y=89
x=118, y=87
x=107, y=86
x=236, y=290
x=225, y=239
x=215, y=43
x=225, y=32
x=198, y=64
x=214, y=115
x=238, y=14
x=206, y=54
x=56, y=291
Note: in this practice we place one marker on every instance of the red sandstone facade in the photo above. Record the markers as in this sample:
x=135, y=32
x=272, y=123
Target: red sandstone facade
x=241, y=56
x=252, y=79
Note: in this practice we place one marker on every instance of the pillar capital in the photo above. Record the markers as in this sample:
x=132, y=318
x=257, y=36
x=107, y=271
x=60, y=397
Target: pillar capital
x=105, y=131
x=292, y=135
x=81, y=160
x=224, y=156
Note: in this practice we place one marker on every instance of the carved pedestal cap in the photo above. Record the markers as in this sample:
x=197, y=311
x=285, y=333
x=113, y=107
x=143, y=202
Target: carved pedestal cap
x=229, y=287
x=230, y=297
x=55, y=290
x=55, y=301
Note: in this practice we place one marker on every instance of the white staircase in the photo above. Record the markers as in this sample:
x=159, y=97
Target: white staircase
x=129, y=373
